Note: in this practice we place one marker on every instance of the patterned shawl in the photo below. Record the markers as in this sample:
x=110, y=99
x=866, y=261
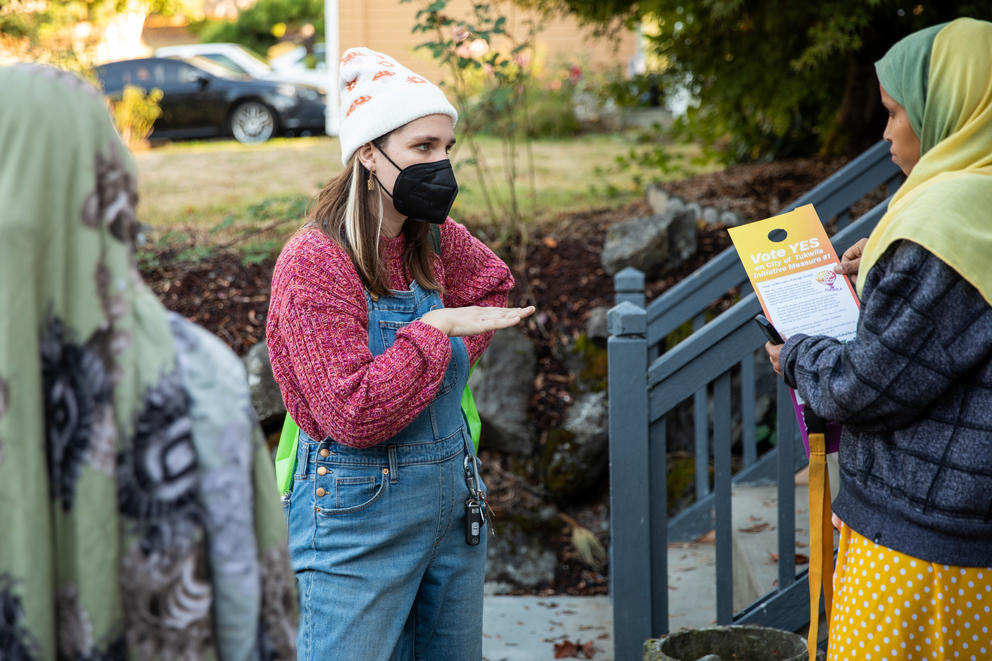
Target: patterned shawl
x=138, y=508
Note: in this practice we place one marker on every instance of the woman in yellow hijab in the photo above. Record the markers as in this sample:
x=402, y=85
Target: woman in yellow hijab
x=914, y=388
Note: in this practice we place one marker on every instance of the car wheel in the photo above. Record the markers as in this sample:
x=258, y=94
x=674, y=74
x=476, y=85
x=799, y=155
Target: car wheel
x=252, y=122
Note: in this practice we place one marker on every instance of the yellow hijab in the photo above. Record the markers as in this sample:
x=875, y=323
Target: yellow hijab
x=945, y=204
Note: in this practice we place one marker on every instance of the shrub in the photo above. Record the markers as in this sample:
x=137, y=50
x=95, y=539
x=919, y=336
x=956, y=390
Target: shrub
x=548, y=111
x=644, y=90
x=135, y=115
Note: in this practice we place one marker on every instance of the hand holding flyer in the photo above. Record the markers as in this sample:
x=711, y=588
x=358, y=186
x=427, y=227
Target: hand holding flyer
x=789, y=261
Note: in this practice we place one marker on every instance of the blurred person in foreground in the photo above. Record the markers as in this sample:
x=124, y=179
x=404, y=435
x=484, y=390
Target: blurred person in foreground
x=380, y=305
x=138, y=508
x=914, y=388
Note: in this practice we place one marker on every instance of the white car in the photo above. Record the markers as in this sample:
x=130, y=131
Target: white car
x=295, y=60
x=242, y=60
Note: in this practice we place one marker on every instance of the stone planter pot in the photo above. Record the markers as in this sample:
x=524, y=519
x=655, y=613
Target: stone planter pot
x=734, y=643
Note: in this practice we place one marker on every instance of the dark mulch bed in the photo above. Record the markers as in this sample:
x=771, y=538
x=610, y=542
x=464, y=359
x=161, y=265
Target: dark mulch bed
x=220, y=292
x=756, y=191
x=562, y=276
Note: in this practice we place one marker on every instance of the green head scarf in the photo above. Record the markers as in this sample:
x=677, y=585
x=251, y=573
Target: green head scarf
x=941, y=76
x=903, y=73
x=124, y=430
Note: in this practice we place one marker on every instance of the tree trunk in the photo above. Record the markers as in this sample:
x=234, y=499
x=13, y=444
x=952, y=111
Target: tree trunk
x=122, y=34
x=859, y=121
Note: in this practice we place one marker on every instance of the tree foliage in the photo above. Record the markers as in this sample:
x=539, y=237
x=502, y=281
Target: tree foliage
x=75, y=33
x=774, y=78
x=264, y=23
x=489, y=79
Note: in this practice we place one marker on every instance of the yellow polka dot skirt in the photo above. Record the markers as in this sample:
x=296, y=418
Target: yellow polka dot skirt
x=892, y=607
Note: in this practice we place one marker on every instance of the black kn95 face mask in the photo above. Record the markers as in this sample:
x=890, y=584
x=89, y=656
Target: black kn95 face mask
x=423, y=191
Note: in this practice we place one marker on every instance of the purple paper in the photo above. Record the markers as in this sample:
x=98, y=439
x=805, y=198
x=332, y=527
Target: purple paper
x=833, y=428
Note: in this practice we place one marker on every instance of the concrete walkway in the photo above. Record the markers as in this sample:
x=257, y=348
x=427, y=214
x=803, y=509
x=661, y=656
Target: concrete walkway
x=527, y=628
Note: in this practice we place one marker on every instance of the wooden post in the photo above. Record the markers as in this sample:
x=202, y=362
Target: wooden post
x=628, y=285
x=630, y=504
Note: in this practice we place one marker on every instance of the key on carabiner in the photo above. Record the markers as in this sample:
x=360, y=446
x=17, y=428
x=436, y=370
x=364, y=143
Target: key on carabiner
x=470, y=477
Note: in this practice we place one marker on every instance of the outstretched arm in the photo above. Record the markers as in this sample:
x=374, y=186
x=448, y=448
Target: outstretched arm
x=473, y=277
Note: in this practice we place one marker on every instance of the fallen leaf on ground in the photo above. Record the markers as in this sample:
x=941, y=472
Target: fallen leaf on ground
x=574, y=650
x=801, y=559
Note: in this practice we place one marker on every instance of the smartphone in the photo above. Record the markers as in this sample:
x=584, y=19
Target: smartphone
x=769, y=330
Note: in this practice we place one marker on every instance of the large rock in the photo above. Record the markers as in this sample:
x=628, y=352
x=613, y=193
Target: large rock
x=575, y=457
x=502, y=383
x=265, y=395
x=657, y=198
x=520, y=552
x=596, y=329
x=661, y=201
x=731, y=219
x=651, y=244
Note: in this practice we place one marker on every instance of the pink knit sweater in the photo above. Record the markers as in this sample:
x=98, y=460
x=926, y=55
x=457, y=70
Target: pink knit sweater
x=317, y=334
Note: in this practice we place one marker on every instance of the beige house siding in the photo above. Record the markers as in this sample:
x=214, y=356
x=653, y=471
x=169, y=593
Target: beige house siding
x=385, y=26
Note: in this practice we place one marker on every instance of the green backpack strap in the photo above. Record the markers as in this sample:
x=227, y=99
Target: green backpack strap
x=469, y=409
x=471, y=414
x=286, y=454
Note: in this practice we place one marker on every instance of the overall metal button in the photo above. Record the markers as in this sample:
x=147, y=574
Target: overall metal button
x=324, y=452
x=385, y=471
x=321, y=492
x=321, y=470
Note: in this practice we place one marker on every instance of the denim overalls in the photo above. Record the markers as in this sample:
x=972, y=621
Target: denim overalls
x=377, y=535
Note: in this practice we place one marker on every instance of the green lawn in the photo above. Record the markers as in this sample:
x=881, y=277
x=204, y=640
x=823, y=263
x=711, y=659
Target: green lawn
x=202, y=185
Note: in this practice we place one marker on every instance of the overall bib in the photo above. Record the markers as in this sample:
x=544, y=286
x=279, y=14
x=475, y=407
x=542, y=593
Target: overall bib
x=377, y=535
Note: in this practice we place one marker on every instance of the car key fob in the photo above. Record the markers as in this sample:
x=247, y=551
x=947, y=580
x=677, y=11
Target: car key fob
x=473, y=522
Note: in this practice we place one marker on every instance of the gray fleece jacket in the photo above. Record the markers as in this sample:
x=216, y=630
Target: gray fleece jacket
x=914, y=393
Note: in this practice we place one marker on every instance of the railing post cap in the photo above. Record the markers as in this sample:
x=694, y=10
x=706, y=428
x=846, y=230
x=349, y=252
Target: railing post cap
x=629, y=278
x=627, y=319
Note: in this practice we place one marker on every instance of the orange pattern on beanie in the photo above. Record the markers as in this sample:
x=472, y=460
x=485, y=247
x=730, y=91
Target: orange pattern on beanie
x=357, y=102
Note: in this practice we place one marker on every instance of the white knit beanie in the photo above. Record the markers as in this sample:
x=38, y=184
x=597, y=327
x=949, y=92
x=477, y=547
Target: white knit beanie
x=378, y=94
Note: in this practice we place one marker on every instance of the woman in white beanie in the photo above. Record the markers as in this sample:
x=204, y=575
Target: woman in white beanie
x=380, y=305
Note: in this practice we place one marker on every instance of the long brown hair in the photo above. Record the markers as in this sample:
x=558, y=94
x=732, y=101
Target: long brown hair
x=351, y=216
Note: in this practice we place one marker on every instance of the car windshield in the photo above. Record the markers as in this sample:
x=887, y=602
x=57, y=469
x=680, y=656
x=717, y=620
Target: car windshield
x=255, y=56
x=215, y=68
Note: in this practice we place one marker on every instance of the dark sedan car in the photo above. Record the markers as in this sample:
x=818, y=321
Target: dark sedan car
x=201, y=99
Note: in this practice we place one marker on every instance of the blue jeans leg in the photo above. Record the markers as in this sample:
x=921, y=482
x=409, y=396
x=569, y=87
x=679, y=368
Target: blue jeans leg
x=449, y=603
x=383, y=568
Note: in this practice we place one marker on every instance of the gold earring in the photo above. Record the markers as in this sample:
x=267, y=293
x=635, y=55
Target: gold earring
x=371, y=183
